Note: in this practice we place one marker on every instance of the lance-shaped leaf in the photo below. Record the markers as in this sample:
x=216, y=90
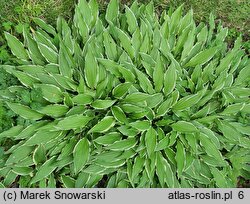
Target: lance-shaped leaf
x=45, y=170
x=19, y=154
x=126, y=42
x=164, y=107
x=150, y=141
x=81, y=154
x=119, y=114
x=91, y=70
x=104, y=125
x=112, y=11
x=188, y=101
x=48, y=53
x=123, y=144
x=34, y=53
x=16, y=46
x=82, y=99
x=45, y=26
x=158, y=75
x=202, y=57
x=39, y=155
x=180, y=158
x=68, y=181
x=12, y=132
x=64, y=59
x=163, y=168
x=110, y=46
x=50, y=92
x=131, y=20
x=210, y=148
x=170, y=79
x=141, y=125
x=183, y=126
x=120, y=90
x=137, y=167
x=43, y=137
x=109, y=138
x=55, y=110
x=73, y=122
x=219, y=178
x=136, y=97
x=102, y=104
x=24, y=111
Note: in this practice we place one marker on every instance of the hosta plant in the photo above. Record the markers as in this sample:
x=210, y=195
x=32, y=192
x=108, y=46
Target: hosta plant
x=128, y=99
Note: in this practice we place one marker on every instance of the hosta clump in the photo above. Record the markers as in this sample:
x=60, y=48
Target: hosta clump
x=130, y=99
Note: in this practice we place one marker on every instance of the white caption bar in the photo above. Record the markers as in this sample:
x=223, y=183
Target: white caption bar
x=126, y=196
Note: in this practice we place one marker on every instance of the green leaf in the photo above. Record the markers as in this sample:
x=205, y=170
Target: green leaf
x=24, y=78
x=126, y=42
x=48, y=53
x=64, y=59
x=180, y=158
x=150, y=141
x=144, y=82
x=42, y=24
x=154, y=100
x=210, y=148
x=85, y=11
x=158, y=75
x=110, y=46
x=219, y=178
x=12, y=132
x=131, y=20
x=112, y=11
x=82, y=99
x=45, y=170
x=30, y=130
x=24, y=111
x=18, y=154
x=67, y=181
x=43, y=137
x=108, y=138
x=202, y=57
x=50, y=92
x=183, y=126
x=94, y=10
x=120, y=90
x=104, y=125
x=188, y=101
x=81, y=25
x=123, y=145
x=119, y=114
x=81, y=154
x=141, y=125
x=16, y=46
x=39, y=155
x=91, y=70
x=163, y=107
x=55, y=110
x=137, y=167
x=170, y=79
x=34, y=53
x=73, y=122
x=136, y=97
x=102, y=104
x=163, y=144
x=162, y=169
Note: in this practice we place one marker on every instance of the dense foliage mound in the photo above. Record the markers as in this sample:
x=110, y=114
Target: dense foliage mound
x=127, y=99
